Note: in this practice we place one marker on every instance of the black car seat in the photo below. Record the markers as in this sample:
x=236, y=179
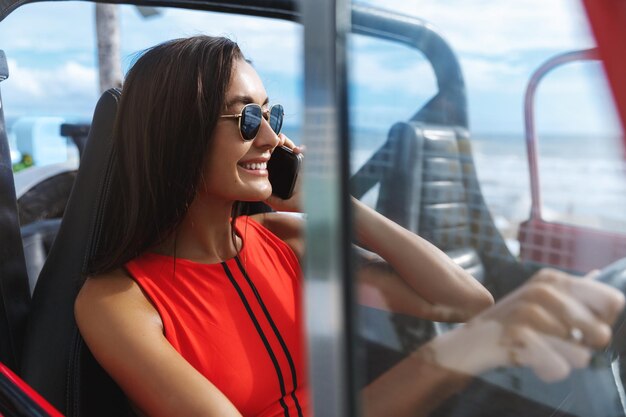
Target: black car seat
x=37, y=239
x=56, y=362
x=14, y=294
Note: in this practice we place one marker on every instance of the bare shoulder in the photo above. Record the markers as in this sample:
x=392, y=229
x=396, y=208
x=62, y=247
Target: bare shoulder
x=117, y=281
x=289, y=227
x=113, y=296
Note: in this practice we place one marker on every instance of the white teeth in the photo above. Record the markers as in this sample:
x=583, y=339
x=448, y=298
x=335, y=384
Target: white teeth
x=255, y=166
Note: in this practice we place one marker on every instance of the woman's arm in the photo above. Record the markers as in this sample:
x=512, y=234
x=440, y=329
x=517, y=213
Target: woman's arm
x=552, y=324
x=429, y=272
x=125, y=334
x=288, y=227
x=443, y=290
x=422, y=280
x=379, y=286
x=415, y=387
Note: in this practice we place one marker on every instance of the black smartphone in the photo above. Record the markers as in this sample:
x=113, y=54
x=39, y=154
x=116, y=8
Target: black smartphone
x=283, y=168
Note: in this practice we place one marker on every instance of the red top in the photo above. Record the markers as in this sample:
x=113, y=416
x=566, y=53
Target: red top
x=239, y=322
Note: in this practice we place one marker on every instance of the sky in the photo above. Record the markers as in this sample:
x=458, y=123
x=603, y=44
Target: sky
x=499, y=45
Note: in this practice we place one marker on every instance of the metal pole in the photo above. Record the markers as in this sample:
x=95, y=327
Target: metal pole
x=529, y=119
x=327, y=265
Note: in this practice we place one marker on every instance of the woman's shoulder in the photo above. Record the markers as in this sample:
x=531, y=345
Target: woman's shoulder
x=108, y=295
x=117, y=281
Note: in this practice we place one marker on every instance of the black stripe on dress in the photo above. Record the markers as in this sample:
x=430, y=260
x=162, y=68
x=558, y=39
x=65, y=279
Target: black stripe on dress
x=262, y=335
x=292, y=367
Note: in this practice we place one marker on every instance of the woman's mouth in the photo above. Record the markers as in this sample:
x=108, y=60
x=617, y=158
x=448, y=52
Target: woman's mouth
x=256, y=168
x=255, y=165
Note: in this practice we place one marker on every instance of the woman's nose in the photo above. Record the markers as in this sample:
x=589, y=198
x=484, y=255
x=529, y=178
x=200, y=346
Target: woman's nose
x=266, y=137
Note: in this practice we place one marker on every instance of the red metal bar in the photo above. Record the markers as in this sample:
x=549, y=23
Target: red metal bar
x=29, y=392
x=529, y=118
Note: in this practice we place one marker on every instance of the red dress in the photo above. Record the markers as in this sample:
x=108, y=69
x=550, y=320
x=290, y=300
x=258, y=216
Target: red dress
x=238, y=322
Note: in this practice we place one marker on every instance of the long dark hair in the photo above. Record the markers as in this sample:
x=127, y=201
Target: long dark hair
x=170, y=103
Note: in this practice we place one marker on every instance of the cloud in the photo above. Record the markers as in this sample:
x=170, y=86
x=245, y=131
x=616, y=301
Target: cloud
x=68, y=86
x=46, y=27
x=499, y=44
x=273, y=45
x=489, y=75
x=504, y=27
x=401, y=69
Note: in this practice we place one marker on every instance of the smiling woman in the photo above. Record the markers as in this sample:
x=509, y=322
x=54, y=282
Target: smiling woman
x=193, y=309
x=207, y=295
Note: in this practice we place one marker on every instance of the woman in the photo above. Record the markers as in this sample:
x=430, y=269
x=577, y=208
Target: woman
x=194, y=310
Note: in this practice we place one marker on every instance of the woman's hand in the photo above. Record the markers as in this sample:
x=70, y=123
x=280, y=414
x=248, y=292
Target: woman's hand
x=294, y=203
x=551, y=324
x=285, y=141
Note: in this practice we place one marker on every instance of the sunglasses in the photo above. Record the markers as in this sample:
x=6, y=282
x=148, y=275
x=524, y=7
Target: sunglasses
x=251, y=117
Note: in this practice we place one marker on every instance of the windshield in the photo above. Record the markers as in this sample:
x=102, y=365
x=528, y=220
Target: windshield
x=56, y=81
x=486, y=131
x=506, y=172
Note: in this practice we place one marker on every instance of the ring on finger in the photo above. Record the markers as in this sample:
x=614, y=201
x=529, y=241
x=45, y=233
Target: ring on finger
x=575, y=335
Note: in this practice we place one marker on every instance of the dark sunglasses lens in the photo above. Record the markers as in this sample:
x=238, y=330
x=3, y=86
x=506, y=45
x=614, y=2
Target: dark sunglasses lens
x=251, y=121
x=276, y=118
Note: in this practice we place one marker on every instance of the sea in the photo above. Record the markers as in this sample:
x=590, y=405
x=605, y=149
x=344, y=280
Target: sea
x=582, y=177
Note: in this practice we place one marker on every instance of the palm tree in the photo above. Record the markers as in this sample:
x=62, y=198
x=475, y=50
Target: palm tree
x=108, y=38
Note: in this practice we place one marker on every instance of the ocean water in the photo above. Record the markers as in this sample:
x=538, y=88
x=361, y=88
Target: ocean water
x=582, y=178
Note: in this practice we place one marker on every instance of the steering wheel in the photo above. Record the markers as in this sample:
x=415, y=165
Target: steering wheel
x=615, y=276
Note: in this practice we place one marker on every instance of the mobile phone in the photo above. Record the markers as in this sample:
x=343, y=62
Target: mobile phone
x=283, y=168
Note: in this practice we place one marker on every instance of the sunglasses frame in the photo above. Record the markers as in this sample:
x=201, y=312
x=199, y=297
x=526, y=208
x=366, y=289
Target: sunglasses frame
x=267, y=112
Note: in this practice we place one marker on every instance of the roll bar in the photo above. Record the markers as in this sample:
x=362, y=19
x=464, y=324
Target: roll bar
x=529, y=117
x=449, y=106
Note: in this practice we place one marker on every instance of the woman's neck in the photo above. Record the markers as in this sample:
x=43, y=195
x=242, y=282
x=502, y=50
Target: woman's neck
x=205, y=234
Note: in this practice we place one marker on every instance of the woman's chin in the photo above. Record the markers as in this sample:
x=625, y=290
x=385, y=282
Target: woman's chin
x=266, y=194
x=259, y=194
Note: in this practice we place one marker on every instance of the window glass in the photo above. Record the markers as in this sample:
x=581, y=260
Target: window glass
x=54, y=71
x=581, y=173
x=389, y=83
x=54, y=82
x=453, y=167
